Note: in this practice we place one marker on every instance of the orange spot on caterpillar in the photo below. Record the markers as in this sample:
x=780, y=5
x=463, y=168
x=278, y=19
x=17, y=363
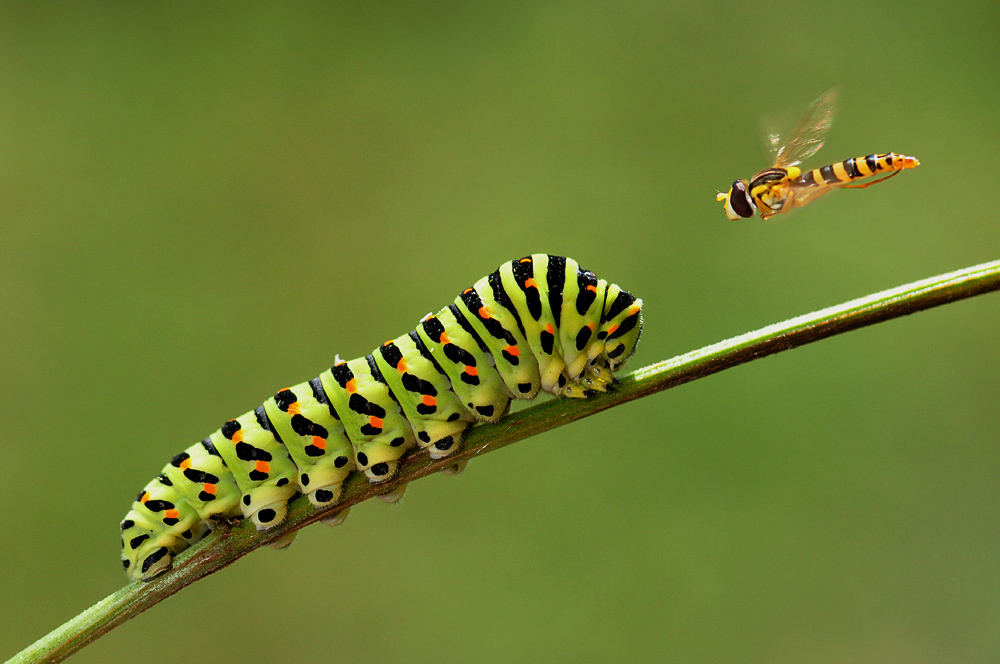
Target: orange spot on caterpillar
x=445, y=339
x=531, y=283
x=512, y=350
x=319, y=442
x=550, y=328
x=524, y=260
x=592, y=288
x=238, y=436
x=472, y=371
x=294, y=409
x=352, y=385
x=590, y=326
x=376, y=421
x=466, y=291
x=262, y=466
x=209, y=488
x=484, y=313
x=171, y=514
x=429, y=400
x=611, y=330
x=186, y=463
x=401, y=365
x=144, y=497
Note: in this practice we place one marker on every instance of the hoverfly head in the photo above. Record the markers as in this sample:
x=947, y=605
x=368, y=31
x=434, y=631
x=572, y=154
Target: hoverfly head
x=737, y=200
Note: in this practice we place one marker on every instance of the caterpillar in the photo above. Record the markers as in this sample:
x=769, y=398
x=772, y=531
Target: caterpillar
x=539, y=323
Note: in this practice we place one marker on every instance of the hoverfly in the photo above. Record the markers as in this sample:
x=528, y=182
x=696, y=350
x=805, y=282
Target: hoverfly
x=784, y=186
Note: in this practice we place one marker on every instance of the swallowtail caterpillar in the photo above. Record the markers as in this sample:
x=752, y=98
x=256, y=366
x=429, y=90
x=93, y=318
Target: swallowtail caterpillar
x=537, y=323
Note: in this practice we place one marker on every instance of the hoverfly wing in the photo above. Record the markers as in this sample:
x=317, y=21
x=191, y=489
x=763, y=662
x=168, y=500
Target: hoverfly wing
x=807, y=138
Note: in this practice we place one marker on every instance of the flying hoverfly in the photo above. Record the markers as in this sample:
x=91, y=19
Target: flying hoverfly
x=784, y=186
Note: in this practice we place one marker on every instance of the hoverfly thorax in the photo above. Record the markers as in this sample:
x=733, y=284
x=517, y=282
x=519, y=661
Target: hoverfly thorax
x=769, y=189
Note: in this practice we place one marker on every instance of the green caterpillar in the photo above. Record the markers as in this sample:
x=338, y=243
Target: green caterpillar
x=537, y=323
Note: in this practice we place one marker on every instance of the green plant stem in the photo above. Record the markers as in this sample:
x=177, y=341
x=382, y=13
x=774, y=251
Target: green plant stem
x=226, y=545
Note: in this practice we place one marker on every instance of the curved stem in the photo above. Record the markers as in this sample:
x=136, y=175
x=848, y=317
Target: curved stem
x=226, y=545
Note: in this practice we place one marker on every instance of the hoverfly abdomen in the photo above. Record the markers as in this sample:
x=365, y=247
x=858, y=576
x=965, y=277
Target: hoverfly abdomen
x=847, y=171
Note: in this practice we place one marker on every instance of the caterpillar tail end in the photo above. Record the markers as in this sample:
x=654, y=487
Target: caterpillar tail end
x=147, y=553
x=156, y=562
x=910, y=162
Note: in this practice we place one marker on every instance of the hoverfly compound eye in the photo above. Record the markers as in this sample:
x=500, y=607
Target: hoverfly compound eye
x=737, y=203
x=739, y=200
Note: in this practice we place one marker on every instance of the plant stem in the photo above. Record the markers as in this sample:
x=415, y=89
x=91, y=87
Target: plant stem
x=226, y=545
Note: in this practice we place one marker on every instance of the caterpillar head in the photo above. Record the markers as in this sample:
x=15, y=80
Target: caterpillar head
x=622, y=326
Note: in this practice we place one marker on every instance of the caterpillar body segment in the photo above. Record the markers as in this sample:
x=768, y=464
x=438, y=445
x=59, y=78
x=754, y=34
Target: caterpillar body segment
x=424, y=393
x=200, y=475
x=466, y=360
x=497, y=327
x=264, y=472
x=371, y=416
x=307, y=423
x=544, y=284
x=537, y=323
x=620, y=328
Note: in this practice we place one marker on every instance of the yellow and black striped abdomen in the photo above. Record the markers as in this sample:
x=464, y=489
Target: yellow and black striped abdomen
x=855, y=168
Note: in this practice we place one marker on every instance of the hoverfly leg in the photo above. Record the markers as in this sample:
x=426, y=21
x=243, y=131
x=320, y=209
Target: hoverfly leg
x=789, y=203
x=868, y=184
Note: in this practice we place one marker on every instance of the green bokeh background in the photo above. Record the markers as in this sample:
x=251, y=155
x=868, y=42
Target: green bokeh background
x=201, y=204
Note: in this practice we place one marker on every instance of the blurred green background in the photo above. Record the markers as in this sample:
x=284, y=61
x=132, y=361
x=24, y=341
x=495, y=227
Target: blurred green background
x=201, y=204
